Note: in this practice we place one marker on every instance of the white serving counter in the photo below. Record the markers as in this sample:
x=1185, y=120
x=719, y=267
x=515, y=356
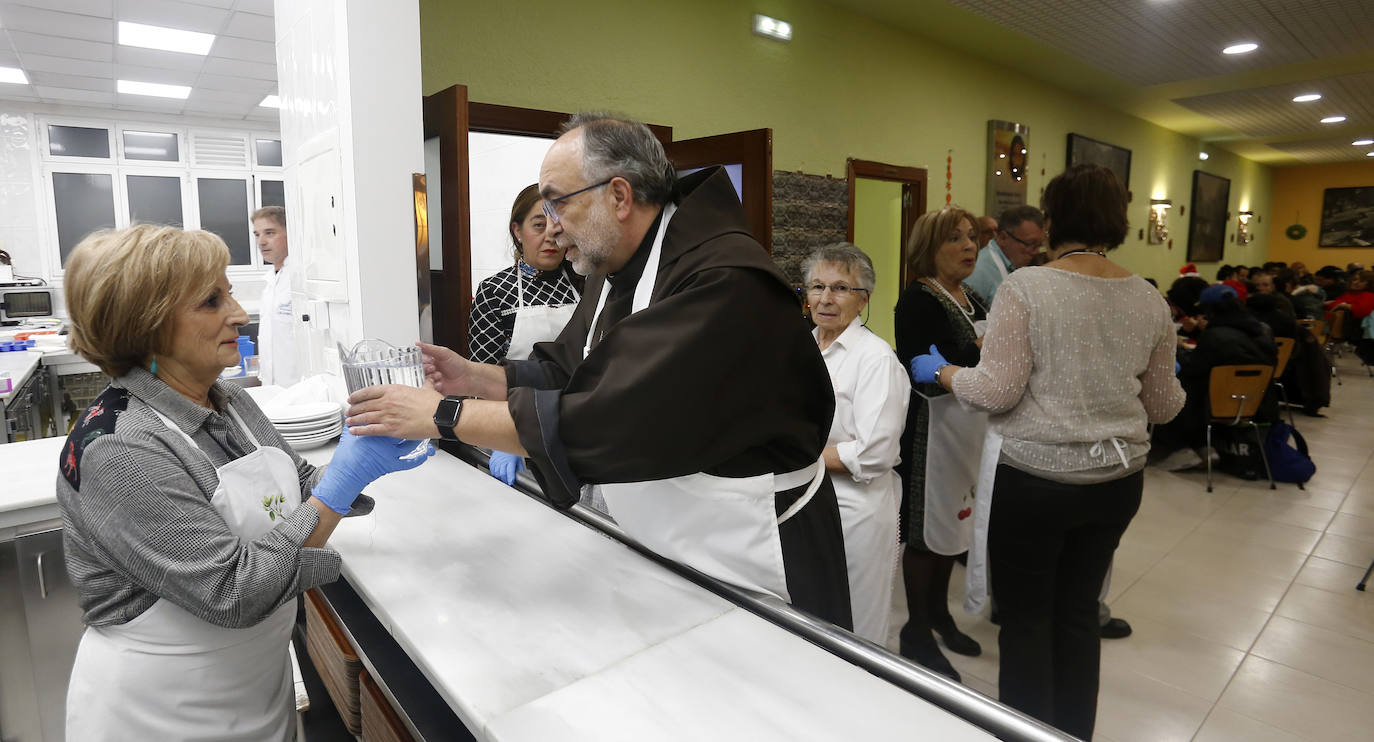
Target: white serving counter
x=533, y=626
x=20, y=364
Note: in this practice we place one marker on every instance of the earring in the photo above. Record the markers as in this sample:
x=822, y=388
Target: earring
x=153, y=368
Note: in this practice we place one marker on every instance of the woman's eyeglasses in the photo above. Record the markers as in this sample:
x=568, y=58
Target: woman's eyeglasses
x=839, y=290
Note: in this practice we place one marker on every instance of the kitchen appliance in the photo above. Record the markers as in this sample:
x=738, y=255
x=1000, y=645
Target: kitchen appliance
x=19, y=301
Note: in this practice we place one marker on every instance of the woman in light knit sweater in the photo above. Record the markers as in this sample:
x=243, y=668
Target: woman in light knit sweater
x=1078, y=358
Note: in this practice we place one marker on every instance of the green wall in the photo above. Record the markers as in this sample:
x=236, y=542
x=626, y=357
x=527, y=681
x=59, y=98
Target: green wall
x=846, y=86
x=878, y=232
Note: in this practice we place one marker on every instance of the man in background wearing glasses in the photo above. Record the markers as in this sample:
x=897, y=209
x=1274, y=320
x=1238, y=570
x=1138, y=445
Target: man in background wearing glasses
x=685, y=392
x=1020, y=234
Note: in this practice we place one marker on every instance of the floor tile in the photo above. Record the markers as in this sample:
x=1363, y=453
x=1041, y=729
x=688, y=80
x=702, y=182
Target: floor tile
x=1348, y=550
x=1221, y=581
x=1134, y=708
x=1359, y=503
x=1298, y=702
x=1193, y=611
x=1327, y=574
x=1224, y=725
x=1352, y=526
x=1327, y=654
x=1171, y=655
x=1266, y=533
x=1276, y=508
x=1349, y=613
x=1240, y=555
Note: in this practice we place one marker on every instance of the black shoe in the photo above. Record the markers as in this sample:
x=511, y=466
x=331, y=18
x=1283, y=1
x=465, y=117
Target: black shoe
x=957, y=641
x=995, y=618
x=928, y=655
x=1116, y=628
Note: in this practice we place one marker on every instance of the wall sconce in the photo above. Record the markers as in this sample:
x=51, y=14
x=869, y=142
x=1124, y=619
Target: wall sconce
x=1243, y=235
x=772, y=28
x=1159, y=220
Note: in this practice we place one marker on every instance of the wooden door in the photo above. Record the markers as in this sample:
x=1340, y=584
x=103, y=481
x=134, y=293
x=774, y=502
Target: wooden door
x=749, y=157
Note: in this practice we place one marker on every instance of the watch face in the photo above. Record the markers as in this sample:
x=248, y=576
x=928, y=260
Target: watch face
x=447, y=413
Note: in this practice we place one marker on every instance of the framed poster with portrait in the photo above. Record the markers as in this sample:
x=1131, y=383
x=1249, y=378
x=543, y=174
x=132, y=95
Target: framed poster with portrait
x=1088, y=151
x=1207, y=220
x=1347, y=217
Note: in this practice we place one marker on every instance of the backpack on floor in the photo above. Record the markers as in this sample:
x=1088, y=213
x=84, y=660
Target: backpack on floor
x=1288, y=463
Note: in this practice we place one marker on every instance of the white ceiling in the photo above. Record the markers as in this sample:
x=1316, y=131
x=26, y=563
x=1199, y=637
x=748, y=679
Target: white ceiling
x=67, y=48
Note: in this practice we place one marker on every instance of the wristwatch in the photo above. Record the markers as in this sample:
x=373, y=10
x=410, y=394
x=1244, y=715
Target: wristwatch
x=446, y=417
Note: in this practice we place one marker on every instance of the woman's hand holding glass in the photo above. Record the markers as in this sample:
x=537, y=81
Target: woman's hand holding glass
x=360, y=461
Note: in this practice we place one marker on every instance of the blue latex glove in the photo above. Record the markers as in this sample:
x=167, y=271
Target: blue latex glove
x=504, y=466
x=923, y=368
x=1177, y=367
x=361, y=460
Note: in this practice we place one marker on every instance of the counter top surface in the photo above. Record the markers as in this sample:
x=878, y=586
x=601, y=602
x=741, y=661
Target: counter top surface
x=534, y=627
x=21, y=365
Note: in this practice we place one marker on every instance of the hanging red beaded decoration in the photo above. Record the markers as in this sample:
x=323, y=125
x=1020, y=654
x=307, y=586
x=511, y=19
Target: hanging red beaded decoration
x=949, y=175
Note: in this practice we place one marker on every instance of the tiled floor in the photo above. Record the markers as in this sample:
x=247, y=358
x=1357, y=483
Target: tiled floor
x=1247, y=622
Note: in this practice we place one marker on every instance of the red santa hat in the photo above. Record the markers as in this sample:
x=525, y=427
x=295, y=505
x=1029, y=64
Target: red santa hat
x=1188, y=270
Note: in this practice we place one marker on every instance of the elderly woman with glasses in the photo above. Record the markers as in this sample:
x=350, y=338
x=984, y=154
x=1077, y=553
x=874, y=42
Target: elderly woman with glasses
x=871, y=394
x=938, y=309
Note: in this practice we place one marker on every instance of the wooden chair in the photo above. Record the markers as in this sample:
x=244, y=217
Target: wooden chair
x=1318, y=328
x=1285, y=346
x=1234, y=394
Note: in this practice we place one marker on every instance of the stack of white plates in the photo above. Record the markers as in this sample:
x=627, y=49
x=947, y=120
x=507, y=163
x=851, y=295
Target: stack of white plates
x=309, y=424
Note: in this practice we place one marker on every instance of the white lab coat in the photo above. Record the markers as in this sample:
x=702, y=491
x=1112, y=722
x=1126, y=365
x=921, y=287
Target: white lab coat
x=277, y=359
x=872, y=392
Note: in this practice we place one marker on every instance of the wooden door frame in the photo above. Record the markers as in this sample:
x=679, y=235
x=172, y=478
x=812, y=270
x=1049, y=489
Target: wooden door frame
x=756, y=175
x=914, y=183
x=450, y=116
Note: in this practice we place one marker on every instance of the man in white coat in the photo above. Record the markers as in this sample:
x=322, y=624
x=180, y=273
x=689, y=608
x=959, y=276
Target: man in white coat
x=276, y=338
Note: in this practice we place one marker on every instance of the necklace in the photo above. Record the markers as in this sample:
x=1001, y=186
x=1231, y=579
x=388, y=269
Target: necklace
x=1098, y=253
x=968, y=313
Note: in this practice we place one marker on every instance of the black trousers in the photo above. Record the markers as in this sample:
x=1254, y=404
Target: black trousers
x=813, y=555
x=1049, y=548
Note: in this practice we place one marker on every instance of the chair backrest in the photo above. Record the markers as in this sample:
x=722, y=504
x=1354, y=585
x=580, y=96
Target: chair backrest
x=1335, y=323
x=1285, y=353
x=1317, y=328
x=1235, y=392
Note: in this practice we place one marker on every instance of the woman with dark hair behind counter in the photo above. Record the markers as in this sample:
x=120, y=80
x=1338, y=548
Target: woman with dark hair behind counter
x=527, y=303
x=1077, y=360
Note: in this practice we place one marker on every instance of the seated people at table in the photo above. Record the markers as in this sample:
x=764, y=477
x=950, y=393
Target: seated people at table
x=190, y=524
x=1183, y=294
x=1306, y=300
x=938, y=308
x=1231, y=275
x=1263, y=284
x=1233, y=337
x=1020, y=233
x=1358, y=298
x=524, y=304
x=1331, y=281
x=685, y=389
x=1077, y=360
x=872, y=390
x=1271, y=311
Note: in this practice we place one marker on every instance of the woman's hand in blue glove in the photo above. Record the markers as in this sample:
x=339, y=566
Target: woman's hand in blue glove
x=923, y=368
x=504, y=466
x=360, y=461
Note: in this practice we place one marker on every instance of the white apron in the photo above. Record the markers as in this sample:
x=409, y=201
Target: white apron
x=277, y=363
x=951, y=474
x=868, y=514
x=168, y=675
x=534, y=324
x=725, y=527
x=976, y=586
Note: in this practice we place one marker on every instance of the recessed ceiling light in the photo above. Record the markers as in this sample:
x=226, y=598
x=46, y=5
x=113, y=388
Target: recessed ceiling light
x=156, y=89
x=1362, y=142
x=1307, y=97
x=1243, y=48
x=772, y=28
x=166, y=39
x=1333, y=119
x=271, y=101
x=1202, y=155
x=1369, y=154
x=13, y=75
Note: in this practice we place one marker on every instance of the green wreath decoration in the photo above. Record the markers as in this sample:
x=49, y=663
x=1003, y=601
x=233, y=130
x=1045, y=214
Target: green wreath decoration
x=1296, y=232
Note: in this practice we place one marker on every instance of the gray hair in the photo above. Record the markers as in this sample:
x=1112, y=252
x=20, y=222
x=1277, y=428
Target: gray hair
x=615, y=146
x=847, y=256
x=1013, y=217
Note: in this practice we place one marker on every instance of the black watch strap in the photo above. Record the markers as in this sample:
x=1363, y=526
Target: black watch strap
x=446, y=417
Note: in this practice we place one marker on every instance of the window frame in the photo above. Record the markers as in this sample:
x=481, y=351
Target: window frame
x=90, y=168
x=44, y=145
x=189, y=214
x=254, y=264
x=183, y=146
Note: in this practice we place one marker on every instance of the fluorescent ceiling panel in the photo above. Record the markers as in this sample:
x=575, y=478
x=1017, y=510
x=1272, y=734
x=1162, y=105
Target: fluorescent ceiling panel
x=271, y=101
x=13, y=75
x=166, y=39
x=158, y=90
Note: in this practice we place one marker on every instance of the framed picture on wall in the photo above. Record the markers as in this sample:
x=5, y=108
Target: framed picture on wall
x=1207, y=220
x=1347, y=217
x=1088, y=151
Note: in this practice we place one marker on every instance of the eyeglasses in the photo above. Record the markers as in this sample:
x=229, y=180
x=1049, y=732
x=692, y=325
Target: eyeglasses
x=839, y=290
x=552, y=205
x=1031, y=245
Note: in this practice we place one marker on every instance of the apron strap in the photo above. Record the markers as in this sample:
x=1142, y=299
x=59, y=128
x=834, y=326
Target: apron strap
x=784, y=482
x=238, y=420
x=644, y=290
